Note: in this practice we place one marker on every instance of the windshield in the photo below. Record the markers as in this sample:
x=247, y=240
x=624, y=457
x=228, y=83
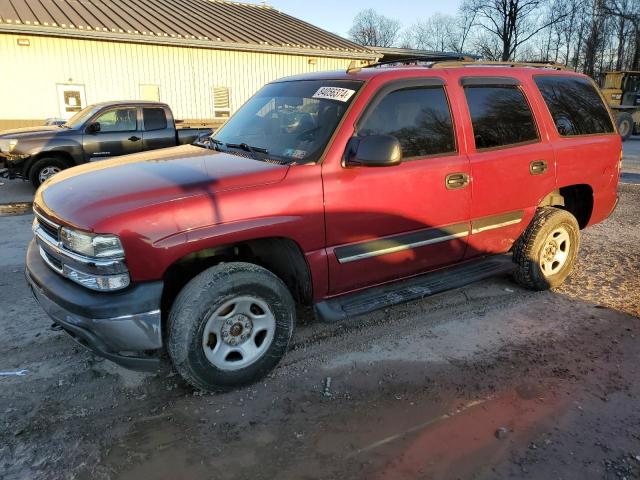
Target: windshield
x=81, y=117
x=290, y=121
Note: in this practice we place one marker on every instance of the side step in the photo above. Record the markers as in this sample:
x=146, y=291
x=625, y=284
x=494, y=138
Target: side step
x=414, y=288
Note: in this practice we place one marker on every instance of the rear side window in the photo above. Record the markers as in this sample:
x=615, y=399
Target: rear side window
x=418, y=117
x=154, y=118
x=500, y=116
x=575, y=105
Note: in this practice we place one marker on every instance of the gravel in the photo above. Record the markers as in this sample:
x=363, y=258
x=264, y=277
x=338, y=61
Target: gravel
x=420, y=390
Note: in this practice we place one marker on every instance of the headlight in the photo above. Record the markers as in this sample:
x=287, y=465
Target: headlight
x=100, y=283
x=8, y=145
x=89, y=245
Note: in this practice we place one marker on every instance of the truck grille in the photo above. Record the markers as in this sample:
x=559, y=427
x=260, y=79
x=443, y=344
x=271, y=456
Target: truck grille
x=49, y=227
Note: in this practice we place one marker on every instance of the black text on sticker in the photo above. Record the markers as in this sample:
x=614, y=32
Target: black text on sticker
x=334, y=93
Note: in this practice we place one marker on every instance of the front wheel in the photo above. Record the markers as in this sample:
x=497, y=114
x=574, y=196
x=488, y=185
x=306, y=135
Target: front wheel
x=547, y=250
x=625, y=124
x=230, y=326
x=45, y=168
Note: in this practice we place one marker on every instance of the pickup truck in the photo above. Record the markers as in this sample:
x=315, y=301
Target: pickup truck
x=97, y=132
x=348, y=191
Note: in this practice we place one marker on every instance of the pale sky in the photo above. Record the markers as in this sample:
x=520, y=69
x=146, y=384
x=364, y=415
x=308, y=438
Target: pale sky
x=337, y=15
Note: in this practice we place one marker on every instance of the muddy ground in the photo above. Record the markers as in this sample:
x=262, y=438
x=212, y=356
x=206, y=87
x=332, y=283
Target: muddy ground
x=489, y=381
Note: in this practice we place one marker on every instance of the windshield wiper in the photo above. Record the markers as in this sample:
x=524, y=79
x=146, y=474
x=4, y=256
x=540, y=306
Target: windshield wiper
x=249, y=148
x=215, y=144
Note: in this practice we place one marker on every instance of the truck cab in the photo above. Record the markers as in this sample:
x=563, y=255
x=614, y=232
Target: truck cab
x=99, y=131
x=346, y=191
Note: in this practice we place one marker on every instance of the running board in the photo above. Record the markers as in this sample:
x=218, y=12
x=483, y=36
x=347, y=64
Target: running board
x=414, y=288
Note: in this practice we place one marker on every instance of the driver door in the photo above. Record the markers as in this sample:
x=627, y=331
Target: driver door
x=120, y=134
x=385, y=223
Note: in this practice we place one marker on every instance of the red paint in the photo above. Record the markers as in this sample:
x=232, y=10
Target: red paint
x=166, y=204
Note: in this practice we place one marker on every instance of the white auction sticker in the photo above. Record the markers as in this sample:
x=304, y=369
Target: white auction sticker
x=334, y=93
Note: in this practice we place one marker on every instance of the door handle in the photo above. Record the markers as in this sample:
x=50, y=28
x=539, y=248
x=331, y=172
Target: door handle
x=134, y=139
x=455, y=181
x=538, y=167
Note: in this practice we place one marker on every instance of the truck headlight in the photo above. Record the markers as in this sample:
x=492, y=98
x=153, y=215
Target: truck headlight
x=100, y=283
x=8, y=145
x=90, y=245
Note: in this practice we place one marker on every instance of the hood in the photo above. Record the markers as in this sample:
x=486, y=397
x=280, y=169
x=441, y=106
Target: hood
x=30, y=131
x=83, y=196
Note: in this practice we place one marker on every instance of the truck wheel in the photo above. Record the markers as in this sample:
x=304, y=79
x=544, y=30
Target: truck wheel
x=230, y=326
x=546, y=251
x=44, y=169
x=625, y=123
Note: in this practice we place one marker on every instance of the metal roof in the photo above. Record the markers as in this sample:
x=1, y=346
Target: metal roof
x=202, y=23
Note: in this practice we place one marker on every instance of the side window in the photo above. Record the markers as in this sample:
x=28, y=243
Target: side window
x=418, y=117
x=118, y=120
x=575, y=105
x=154, y=119
x=500, y=116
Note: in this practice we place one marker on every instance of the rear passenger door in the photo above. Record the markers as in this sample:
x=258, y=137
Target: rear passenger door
x=158, y=132
x=512, y=162
x=387, y=223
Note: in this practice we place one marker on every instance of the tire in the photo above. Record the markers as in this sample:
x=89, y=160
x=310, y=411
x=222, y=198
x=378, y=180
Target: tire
x=538, y=253
x=217, y=303
x=624, y=124
x=45, y=167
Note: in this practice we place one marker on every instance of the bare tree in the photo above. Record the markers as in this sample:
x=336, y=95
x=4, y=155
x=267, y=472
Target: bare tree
x=374, y=30
x=629, y=12
x=513, y=22
x=595, y=40
x=437, y=33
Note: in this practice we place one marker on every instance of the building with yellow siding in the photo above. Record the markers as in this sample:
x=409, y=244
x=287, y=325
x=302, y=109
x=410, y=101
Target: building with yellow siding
x=202, y=57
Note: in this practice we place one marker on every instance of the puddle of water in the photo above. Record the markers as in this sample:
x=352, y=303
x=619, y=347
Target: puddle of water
x=18, y=208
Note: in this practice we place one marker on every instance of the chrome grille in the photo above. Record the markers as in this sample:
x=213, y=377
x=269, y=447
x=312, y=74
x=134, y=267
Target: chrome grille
x=49, y=227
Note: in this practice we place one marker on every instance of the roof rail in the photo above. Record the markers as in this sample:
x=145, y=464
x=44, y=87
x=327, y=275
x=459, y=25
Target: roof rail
x=482, y=63
x=427, y=60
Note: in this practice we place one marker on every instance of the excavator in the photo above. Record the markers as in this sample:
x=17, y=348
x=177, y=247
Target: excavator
x=622, y=92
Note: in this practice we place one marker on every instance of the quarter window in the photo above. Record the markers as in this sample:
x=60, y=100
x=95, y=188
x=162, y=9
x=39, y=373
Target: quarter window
x=500, y=116
x=418, y=117
x=575, y=105
x=118, y=120
x=154, y=119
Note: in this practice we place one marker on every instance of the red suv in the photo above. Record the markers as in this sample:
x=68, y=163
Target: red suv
x=349, y=191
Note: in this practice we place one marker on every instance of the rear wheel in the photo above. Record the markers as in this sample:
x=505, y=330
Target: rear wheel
x=624, y=122
x=45, y=168
x=546, y=251
x=230, y=326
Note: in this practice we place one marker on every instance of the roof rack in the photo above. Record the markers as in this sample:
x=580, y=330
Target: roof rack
x=481, y=63
x=426, y=60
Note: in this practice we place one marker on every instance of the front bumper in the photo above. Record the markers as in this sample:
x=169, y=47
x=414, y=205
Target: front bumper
x=121, y=326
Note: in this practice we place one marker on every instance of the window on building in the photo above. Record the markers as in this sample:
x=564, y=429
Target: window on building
x=154, y=119
x=118, y=120
x=221, y=103
x=500, y=116
x=575, y=105
x=150, y=92
x=418, y=117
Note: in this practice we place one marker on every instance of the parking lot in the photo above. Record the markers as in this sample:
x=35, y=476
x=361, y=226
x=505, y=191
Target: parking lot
x=487, y=381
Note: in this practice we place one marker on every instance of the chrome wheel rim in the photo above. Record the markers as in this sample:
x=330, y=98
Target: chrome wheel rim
x=555, y=251
x=238, y=333
x=47, y=172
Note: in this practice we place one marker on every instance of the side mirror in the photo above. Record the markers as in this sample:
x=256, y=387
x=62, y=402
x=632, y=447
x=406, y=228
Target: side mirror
x=376, y=151
x=93, y=127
